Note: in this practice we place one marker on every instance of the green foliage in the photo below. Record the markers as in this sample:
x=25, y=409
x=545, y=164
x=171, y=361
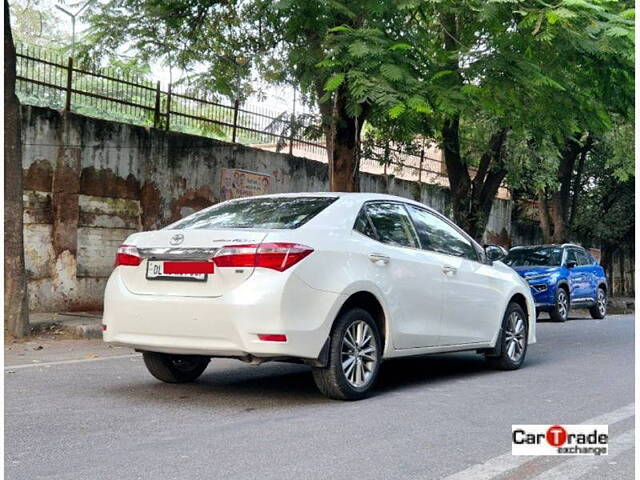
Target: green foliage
x=605, y=216
x=542, y=71
x=34, y=23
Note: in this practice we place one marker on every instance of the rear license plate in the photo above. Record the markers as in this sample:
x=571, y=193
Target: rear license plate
x=187, y=271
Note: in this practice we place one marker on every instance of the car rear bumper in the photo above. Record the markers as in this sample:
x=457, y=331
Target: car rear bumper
x=224, y=326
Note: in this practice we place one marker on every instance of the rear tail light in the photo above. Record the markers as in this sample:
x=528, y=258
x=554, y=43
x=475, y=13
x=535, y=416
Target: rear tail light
x=276, y=256
x=128, y=255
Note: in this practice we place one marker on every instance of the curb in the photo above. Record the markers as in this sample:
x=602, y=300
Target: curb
x=78, y=327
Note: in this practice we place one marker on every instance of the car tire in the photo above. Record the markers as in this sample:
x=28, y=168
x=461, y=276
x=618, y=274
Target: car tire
x=175, y=368
x=354, y=357
x=599, y=310
x=560, y=311
x=513, y=340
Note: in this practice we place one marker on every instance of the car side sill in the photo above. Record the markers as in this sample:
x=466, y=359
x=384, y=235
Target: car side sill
x=407, y=352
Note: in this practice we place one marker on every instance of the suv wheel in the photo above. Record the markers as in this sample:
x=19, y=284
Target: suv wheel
x=175, y=368
x=513, y=340
x=599, y=310
x=354, y=357
x=560, y=312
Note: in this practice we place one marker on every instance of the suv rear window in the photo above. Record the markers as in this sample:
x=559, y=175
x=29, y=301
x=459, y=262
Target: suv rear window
x=261, y=212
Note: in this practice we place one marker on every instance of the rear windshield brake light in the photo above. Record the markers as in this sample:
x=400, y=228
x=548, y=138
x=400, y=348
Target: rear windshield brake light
x=275, y=256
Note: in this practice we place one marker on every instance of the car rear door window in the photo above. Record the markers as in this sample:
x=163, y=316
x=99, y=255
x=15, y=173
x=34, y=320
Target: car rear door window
x=392, y=224
x=439, y=236
x=257, y=212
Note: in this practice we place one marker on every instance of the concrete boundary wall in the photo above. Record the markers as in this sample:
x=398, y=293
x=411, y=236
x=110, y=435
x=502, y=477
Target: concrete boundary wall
x=89, y=183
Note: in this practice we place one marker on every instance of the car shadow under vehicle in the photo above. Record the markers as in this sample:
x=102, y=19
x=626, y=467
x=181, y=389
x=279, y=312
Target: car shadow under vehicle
x=574, y=315
x=281, y=385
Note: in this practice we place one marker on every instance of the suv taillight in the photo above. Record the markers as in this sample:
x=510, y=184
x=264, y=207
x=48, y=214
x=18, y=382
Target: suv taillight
x=128, y=255
x=276, y=256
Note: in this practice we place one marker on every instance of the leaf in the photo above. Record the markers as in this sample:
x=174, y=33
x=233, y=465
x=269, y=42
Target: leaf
x=417, y=103
x=440, y=74
x=616, y=31
x=400, y=46
x=358, y=49
x=582, y=4
x=328, y=63
x=340, y=29
x=334, y=82
x=552, y=17
x=629, y=14
x=342, y=8
x=397, y=110
x=391, y=72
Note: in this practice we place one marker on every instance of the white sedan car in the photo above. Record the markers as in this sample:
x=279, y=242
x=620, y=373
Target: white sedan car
x=338, y=281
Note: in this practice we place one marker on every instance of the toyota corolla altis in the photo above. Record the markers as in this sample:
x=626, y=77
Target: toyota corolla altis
x=337, y=281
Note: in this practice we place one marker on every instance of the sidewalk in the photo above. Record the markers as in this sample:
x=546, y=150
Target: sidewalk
x=619, y=305
x=77, y=324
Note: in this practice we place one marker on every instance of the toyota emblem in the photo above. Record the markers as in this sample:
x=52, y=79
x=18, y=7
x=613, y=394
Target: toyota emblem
x=177, y=239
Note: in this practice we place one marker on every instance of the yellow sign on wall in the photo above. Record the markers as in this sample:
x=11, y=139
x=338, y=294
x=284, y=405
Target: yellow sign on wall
x=235, y=183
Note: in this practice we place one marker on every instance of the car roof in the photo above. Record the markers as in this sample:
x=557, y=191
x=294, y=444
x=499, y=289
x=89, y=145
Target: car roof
x=549, y=245
x=362, y=196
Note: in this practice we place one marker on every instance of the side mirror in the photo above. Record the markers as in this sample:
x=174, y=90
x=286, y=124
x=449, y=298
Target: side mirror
x=495, y=252
x=571, y=263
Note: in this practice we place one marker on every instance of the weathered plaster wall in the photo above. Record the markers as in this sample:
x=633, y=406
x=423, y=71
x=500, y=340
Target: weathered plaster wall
x=89, y=183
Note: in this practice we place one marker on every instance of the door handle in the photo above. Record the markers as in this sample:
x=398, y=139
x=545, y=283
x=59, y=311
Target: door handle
x=379, y=258
x=449, y=270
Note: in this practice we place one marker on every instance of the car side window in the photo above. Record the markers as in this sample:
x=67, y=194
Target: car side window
x=583, y=258
x=439, y=236
x=392, y=224
x=363, y=225
x=571, y=256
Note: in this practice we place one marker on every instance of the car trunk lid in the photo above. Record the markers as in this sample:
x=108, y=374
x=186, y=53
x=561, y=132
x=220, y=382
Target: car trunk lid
x=179, y=246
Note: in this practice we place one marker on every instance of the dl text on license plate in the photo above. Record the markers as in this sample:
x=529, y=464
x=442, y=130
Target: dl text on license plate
x=156, y=271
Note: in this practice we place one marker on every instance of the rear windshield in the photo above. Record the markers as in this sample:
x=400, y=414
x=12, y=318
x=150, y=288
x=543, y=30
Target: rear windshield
x=534, y=256
x=261, y=212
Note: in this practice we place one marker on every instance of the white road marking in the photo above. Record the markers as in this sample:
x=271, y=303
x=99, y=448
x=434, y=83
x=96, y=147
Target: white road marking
x=503, y=463
x=578, y=466
x=63, y=362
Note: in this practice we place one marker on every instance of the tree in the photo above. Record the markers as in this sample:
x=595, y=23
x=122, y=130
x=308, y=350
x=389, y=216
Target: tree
x=223, y=45
x=504, y=76
x=16, y=307
x=37, y=24
x=482, y=77
x=606, y=89
x=606, y=195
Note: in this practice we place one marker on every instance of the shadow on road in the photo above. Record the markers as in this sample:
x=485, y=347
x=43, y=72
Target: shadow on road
x=280, y=385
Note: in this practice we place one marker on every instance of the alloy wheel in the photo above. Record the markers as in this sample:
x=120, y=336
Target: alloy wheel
x=602, y=302
x=563, y=304
x=359, y=354
x=514, y=337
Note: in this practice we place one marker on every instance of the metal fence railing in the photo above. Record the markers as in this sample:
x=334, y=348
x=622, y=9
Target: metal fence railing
x=47, y=79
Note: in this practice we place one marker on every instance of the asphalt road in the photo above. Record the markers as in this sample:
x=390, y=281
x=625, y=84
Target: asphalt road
x=78, y=410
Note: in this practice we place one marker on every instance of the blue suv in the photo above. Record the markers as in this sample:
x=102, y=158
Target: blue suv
x=561, y=277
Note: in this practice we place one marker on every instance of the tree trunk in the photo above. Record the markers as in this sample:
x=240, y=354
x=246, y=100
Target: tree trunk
x=577, y=181
x=471, y=200
x=557, y=213
x=342, y=135
x=16, y=312
x=545, y=219
x=344, y=159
